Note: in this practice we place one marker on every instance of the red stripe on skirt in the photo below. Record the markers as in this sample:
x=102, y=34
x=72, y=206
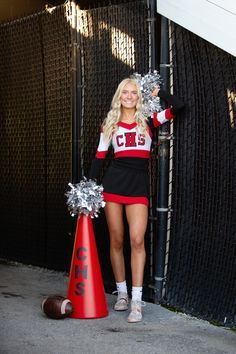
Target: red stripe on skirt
x=122, y=199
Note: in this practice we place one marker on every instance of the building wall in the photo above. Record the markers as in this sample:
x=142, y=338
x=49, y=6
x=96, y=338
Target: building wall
x=14, y=9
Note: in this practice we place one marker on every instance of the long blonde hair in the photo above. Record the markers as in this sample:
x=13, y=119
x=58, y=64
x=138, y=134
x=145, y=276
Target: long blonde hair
x=109, y=125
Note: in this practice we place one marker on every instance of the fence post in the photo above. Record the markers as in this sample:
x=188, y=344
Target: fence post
x=163, y=171
x=76, y=95
x=153, y=34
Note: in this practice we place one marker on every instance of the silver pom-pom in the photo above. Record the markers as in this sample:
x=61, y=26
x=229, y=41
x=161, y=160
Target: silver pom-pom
x=85, y=197
x=147, y=84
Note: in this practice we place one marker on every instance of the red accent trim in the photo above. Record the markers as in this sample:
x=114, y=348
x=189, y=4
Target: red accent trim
x=156, y=123
x=127, y=125
x=122, y=199
x=168, y=114
x=101, y=154
x=133, y=153
x=154, y=115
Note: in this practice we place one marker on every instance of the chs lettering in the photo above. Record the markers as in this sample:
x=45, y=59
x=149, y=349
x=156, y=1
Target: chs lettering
x=81, y=272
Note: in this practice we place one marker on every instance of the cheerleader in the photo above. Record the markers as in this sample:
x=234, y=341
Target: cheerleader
x=126, y=182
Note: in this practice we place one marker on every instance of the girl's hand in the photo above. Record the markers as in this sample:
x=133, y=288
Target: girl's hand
x=155, y=91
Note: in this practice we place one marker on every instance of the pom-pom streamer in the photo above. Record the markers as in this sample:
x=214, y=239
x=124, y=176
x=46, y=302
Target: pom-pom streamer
x=147, y=84
x=85, y=197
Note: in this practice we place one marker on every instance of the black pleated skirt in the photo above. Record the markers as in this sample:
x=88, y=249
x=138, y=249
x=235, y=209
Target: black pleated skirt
x=126, y=181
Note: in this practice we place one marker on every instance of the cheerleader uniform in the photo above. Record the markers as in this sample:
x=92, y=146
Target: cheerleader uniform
x=126, y=179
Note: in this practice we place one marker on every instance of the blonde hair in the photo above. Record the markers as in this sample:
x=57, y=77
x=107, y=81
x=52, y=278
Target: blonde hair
x=109, y=125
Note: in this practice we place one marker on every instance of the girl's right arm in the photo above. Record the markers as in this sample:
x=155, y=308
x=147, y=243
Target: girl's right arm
x=101, y=153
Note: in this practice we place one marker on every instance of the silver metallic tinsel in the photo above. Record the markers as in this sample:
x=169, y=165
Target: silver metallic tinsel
x=147, y=84
x=85, y=197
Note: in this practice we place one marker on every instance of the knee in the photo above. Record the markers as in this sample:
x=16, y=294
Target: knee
x=137, y=243
x=116, y=241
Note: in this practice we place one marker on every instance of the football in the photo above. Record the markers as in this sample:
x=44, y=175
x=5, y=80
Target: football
x=57, y=307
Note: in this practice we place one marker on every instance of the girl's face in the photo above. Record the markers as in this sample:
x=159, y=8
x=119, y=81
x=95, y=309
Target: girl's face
x=129, y=96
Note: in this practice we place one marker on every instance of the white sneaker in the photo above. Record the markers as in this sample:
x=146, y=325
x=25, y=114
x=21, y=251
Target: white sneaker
x=136, y=311
x=122, y=302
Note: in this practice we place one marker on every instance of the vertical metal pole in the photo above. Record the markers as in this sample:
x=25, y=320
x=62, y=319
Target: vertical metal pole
x=163, y=171
x=76, y=101
x=153, y=64
x=79, y=89
x=76, y=96
x=152, y=29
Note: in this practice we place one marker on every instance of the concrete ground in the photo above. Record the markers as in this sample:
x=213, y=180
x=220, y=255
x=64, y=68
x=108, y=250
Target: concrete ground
x=24, y=329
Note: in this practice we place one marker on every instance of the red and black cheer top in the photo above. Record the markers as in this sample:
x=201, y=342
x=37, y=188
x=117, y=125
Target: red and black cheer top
x=126, y=179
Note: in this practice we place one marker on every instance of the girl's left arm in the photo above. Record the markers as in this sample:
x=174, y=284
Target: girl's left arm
x=176, y=106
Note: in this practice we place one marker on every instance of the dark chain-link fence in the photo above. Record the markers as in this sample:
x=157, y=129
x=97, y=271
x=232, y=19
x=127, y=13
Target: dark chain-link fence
x=35, y=130
x=201, y=268
x=36, y=117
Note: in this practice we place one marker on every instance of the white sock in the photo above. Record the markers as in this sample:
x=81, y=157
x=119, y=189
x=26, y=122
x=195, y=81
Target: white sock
x=122, y=287
x=137, y=293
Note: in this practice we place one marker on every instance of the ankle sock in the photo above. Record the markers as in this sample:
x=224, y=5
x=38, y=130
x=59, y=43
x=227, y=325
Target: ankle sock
x=137, y=293
x=122, y=287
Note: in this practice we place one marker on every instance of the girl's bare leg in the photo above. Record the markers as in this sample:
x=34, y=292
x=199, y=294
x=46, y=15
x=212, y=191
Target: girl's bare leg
x=137, y=216
x=114, y=216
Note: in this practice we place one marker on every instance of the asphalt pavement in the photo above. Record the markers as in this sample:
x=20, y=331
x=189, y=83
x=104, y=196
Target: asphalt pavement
x=24, y=328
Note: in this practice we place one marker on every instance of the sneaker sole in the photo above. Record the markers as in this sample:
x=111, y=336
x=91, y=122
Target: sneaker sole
x=130, y=321
x=124, y=309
